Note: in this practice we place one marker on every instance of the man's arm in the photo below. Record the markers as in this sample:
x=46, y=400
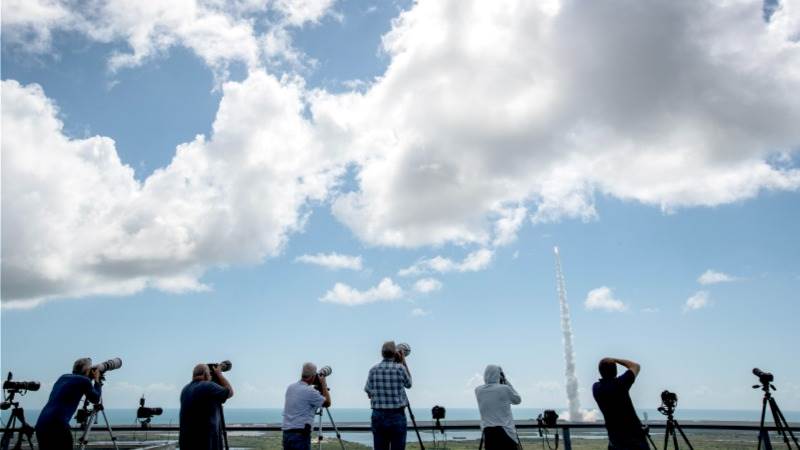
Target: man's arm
x=368, y=384
x=515, y=398
x=325, y=392
x=93, y=392
x=630, y=365
x=406, y=372
x=223, y=381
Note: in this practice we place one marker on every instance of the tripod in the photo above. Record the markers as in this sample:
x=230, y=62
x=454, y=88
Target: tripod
x=781, y=426
x=223, y=428
x=414, y=423
x=333, y=424
x=88, y=418
x=673, y=425
x=17, y=414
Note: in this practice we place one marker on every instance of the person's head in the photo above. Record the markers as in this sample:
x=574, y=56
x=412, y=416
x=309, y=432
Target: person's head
x=388, y=350
x=309, y=372
x=82, y=366
x=201, y=373
x=492, y=374
x=607, y=368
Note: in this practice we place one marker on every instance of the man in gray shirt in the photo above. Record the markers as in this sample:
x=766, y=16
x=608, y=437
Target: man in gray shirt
x=494, y=402
x=303, y=399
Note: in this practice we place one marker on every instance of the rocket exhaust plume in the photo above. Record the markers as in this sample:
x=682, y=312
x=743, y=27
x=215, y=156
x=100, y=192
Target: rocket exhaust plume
x=569, y=353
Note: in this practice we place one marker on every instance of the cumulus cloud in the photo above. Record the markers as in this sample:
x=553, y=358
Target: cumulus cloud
x=697, y=301
x=342, y=294
x=603, y=298
x=76, y=222
x=220, y=33
x=427, y=285
x=681, y=104
x=332, y=261
x=473, y=262
x=714, y=277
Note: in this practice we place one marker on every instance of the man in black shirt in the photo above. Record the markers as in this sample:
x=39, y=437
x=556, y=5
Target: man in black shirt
x=201, y=402
x=625, y=431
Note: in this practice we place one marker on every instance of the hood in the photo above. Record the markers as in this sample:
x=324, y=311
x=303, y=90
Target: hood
x=492, y=374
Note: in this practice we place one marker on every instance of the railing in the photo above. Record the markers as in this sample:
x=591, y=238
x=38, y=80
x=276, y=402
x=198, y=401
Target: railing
x=563, y=427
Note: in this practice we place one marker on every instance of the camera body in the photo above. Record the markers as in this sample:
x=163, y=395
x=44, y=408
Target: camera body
x=547, y=419
x=438, y=412
x=145, y=412
x=669, y=399
x=223, y=366
x=763, y=377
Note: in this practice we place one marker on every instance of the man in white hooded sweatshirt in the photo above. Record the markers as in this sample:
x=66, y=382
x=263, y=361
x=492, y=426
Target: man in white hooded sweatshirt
x=494, y=402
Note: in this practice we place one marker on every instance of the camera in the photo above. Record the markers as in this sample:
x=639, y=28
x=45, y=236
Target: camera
x=547, y=419
x=144, y=414
x=438, y=412
x=18, y=386
x=404, y=349
x=105, y=366
x=763, y=377
x=324, y=371
x=669, y=399
x=224, y=366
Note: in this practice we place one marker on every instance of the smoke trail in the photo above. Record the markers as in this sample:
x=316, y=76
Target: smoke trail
x=569, y=353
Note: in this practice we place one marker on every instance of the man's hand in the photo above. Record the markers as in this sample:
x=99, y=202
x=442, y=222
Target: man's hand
x=96, y=375
x=400, y=358
x=630, y=365
x=216, y=370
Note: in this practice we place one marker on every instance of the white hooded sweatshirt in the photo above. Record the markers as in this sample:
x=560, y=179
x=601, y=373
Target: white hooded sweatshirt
x=495, y=400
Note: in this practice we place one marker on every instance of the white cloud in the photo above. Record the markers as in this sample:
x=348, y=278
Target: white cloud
x=76, y=222
x=218, y=32
x=714, y=277
x=332, y=261
x=419, y=312
x=674, y=113
x=603, y=298
x=699, y=300
x=343, y=294
x=473, y=262
x=427, y=285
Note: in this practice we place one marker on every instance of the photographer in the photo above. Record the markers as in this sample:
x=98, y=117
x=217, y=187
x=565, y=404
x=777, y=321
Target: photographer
x=611, y=393
x=52, y=428
x=201, y=402
x=385, y=387
x=303, y=398
x=494, y=402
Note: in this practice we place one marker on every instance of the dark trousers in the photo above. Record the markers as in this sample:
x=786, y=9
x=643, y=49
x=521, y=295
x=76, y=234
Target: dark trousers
x=496, y=438
x=297, y=439
x=54, y=438
x=389, y=429
x=632, y=444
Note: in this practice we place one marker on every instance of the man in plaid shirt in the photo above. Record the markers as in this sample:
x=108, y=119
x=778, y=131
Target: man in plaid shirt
x=385, y=387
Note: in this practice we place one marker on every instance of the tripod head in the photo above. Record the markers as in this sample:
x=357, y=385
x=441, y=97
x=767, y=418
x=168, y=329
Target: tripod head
x=766, y=379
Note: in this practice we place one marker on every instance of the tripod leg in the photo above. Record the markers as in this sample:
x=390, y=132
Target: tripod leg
x=335, y=429
x=683, y=435
x=8, y=432
x=666, y=434
x=83, y=440
x=777, y=417
x=108, y=427
x=319, y=429
x=414, y=422
x=675, y=438
x=763, y=435
x=784, y=423
x=224, y=427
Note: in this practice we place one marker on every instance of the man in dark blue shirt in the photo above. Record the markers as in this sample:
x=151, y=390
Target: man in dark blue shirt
x=201, y=404
x=52, y=428
x=611, y=393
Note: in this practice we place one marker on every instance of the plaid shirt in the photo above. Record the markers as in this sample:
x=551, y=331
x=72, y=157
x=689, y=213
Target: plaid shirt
x=385, y=385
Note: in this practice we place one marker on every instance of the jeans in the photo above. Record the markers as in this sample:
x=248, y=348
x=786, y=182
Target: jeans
x=296, y=440
x=389, y=429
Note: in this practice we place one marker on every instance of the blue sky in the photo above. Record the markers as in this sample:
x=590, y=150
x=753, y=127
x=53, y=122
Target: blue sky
x=446, y=132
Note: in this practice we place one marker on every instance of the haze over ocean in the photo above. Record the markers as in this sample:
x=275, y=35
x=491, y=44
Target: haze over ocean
x=274, y=182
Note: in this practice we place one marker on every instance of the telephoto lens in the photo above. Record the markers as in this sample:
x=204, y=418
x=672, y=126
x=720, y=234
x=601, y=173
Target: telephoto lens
x=325, y=371
x=224, y=366
x=105, y=366
x=404, y=348
x=21, y=385
x=764, y=377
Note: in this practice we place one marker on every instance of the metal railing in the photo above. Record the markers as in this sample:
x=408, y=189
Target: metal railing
x=563, y=427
